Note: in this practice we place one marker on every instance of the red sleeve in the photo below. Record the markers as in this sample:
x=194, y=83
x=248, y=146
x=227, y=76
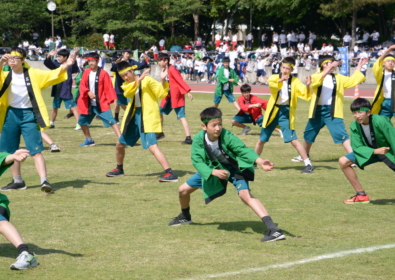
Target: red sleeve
x=243, y=106
x=176, y=79
x=108, y=87
x=84, y=84
x=256, y=100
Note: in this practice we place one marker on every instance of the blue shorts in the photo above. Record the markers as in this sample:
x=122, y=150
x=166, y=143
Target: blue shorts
x=180, y=111
x=21, y=122
x=323, y=117
x=2, y=218
x=386, y=109
x=105, y=116
x=260, y=72
x=68, y=103
x=195, y=181
x=122, y=100
x=248, y=119
x=373, y=159
x=133, y=133
x=281, y=119
x=228, y=94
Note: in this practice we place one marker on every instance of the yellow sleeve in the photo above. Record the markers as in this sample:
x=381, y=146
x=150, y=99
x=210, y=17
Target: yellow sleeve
x=46, y=78
x=129, y=89
x=156, y=88
x=378, y=70
x=166, y=86
x=273, y=82
x=354, y=80
x=316, y=80
x=301, y=90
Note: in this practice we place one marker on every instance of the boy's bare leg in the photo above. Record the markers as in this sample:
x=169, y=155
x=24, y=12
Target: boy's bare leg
x=119, y=153
x=46, y=138
x=54, y=114
x=85, y=130
x=236, y=123
x=39, y=162
x=236, y=105
x=259, y=147
x=347, y=146
x=185, y=125
x=216, y=105
x=349, y=172
x=307, y=146
x=115, y=127
x=160, y=157
x=253, y=203
x=184, y=195
x=301, y=150
x=11, y=233
x=74, y=110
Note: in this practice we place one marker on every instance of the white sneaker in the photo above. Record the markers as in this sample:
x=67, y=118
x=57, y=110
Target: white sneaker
x=24, y=261
x=245, y=130
x=54, y=148
x=281, y=134
x=297, y=159
x=77, y=127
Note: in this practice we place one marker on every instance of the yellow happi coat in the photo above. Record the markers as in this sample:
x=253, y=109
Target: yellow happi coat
x=298, y=89
x=39, y=80
x=378, y=72
x=150, y=92
x=342, y=82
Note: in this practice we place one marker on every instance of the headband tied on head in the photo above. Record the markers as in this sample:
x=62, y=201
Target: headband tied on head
x=389, y=58
x=206, y=120
x=91, y=58
x=27, y=66
x=362, y=109
x=290, y=64
x=127, y=69
x=325, y=61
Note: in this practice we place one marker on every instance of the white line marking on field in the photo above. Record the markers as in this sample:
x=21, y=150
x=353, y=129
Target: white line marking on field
x=289, y=264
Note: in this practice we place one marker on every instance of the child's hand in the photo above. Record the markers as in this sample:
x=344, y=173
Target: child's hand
x=91, y=95
x=231, y=80
x=21, y=155
x=145, y=73
x=163, y=74
x=265, y=164
x=381, y=151
x=283, y=78
x=308, y=80
x=190, y=96
x=222, y=174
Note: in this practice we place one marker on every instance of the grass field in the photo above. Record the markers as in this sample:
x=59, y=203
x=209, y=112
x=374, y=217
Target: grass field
x=94, y=227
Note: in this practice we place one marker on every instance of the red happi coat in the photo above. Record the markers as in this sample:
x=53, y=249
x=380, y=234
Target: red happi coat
x=255, y=112
x=107, y=93
x=178, y=89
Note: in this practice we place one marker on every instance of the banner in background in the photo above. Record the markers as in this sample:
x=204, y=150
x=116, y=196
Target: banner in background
x=345, y=69
x=136, y=55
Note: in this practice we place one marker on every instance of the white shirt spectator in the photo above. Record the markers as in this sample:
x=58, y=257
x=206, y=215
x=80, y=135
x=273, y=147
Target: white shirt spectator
x=283, y=39
x=35, y=36
x=260, y=64
x=356, y=48
x=307, y=48
x=112, y=38
x=162, y=42
x=154, y=49
x=263, y=38
x=289, y=37
x=365, y=37
x=329, y=49
x=375, y=36
x=226, y=38
x=274, y=48
x=250, y=37
x=47, y=42
x=300, y=47
x=302, y=37
x=275, y=38
x=234, y=38
x=240, y=48
x=218, y=37
x=347, y=38
x=106, y=37
x=25, y=44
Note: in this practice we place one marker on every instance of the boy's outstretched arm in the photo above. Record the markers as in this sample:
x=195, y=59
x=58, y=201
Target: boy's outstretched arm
x=265, y=164
x=19, y=155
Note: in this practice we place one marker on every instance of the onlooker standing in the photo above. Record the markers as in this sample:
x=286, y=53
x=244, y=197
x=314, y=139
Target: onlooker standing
x=302, y=37
x=25, y=45
x=112, y=41
x=346, y=40
x=365, y=38
x=234, y=41
x=250, y=40
x=162, y=44
x=217, y=39
x=263, y=40
x=35, y=37
x=154, y=49
x=106, y=39
x=375, y=38
x=275, y=38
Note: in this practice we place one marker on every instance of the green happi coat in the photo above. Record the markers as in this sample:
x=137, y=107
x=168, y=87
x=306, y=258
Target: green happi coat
x=245, y=157
x=384, y=134
x=3, y=199
x=223, y=80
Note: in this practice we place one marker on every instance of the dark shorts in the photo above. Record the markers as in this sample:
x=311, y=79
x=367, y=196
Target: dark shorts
x=122, y=100
x=248, y=119
x=21, y=122
x=105, y=116
x=386, y=109
x=373, y=159
x=281, y=119
x=323, y=117
x=68, y=103
x=249, y=44
x=228, y=94
x=180, y=111
x=195, y=181
x=133, y=133
x=261, y=72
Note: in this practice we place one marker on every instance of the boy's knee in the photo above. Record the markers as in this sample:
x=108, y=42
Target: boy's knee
x=345, y=162
x=119, y=145
x=184, y=190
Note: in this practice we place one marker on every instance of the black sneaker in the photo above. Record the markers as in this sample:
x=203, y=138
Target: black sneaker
x=187, y=142
x=115, y=172
x=52, y=126
x=169, y=177
x=46, y=187
x=14, y=186
x=308, y=169
x=69, y=115
x=273, y=236
x=160, y=136
x=180, y=220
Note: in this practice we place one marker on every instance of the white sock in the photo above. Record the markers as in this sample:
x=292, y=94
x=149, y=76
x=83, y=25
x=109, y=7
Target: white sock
x=307, y=161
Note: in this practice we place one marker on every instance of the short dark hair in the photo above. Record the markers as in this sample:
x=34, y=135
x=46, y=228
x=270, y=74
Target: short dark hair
x=358, y=103
x=322, y=58
x=123, y=65
x=94, y=55
x=209, y=113
x=245, y=88
x=64, y=52
x=19, y=50
x=389, y=55
x=289, y=60
x=128, y=50
x=163, y=56
x=226, y=59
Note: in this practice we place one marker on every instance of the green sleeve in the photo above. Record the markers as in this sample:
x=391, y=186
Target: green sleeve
x=362, y=152
x=3, y=167
x=245, y=156
x=199, y=157
x=388, y=131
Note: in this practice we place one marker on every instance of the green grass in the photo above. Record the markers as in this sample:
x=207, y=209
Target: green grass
x=93, y=227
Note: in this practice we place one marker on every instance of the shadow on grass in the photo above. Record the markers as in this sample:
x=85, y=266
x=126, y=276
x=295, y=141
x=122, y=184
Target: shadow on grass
x=8, y=250
x=383, y=201
x=180, y=173
x=301, y=167
x=242, y=227
x=74, y=184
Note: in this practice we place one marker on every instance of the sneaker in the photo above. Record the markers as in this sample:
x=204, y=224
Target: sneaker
x=180, y=220
x=24, y=261
x=115, y=172
x=169, y=177
x=46, y=187
x=52, y=126
x=53, y=148
x=357, y=199
x=14, y=186
x=281, y=134
x=69, y=115
x=77, y=127
x=88, y=143
x=297, y=159
x=354, y=165
x=273, y=236
x=187, y=142
x=245, y=130
x=307, y=169
x=160, y=136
